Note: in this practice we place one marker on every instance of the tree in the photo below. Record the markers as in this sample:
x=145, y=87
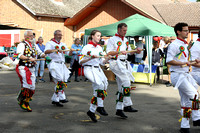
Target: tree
x=198, y=0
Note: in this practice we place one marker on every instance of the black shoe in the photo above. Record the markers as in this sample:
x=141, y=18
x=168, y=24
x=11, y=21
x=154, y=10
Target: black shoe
x=184, y=130
x=130, y=109
x=64, y=101
x=92, y=116
x=42, y=80
x=69, y=80
x=102, y=111
x=196, y=123
x=168, y=85
x=121, y=114
x=167, y=82
x=57, y=104
x=76, y=80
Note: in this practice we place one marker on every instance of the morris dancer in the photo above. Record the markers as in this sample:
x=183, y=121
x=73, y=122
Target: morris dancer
x=177, y=56
x=122, y=69
x=195, y=55
x=57, y=67
x=25, y=69
x=94, y=73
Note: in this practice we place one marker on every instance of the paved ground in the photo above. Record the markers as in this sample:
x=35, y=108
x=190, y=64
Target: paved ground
x=158, y=109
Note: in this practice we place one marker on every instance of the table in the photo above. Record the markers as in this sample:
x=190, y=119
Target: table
x=142, y=74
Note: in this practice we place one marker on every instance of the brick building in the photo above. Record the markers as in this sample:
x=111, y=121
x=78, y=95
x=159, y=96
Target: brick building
x=74, y=16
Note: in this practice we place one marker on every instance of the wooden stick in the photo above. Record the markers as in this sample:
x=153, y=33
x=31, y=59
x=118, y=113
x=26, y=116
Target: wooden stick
x=39, y=59
x=135, y=50
x=92, y=55
x=192, y=63
x=35, y=60
x=56, y=50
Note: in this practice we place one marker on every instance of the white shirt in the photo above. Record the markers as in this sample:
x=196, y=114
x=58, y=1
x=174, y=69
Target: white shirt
x=112, y=45
x=21, y=48
x=173, y=50
x=195, y=54
x=94, y=51
x=162, y=44
x=56, y=56
x=139, y=45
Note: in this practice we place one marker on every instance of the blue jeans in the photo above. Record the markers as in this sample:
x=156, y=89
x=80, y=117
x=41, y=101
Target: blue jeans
x=40, y=63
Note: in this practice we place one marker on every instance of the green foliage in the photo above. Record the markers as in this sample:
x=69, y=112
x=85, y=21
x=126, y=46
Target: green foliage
x=104, y=47
x=132, y=46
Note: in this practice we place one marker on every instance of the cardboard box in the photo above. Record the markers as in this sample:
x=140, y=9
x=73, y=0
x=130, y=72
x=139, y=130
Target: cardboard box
x=109, y=74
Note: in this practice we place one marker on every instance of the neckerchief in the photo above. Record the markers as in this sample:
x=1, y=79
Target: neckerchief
x=122, y=37
x=29, y=43
x=54, y=40
x=182, y=40
x=92, y=43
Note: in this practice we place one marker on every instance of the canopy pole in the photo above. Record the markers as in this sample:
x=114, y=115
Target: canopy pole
x=85, y=40
x=148, y=42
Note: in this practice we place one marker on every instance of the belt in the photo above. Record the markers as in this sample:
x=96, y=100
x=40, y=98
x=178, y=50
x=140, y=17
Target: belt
x=114, y=58
x=182, y=72
x=122, y=60
x=60, y=62
x=91, y=66
x=119, y=59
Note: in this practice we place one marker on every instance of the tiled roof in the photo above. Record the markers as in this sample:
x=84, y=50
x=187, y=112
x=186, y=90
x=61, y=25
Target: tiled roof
x=173, y=13
x=146, y=6
x=167, y=11
x=64, y=9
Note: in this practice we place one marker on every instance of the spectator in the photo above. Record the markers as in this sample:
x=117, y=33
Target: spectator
x=157, y=56
x=139, y=44
x=167, y=42
x=161, y=43
x=34, y=40
x=171, y=39
x=145, y=50
x=74, y=65
x=13, y=50
x=40, y=63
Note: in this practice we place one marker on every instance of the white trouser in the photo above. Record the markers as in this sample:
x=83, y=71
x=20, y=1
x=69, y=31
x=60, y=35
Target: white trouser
x=187, y=90
x=24, y=74
x=196, y=76
x=99, y=82
x=58, y=96
x=123, y=77
x=59, y=72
